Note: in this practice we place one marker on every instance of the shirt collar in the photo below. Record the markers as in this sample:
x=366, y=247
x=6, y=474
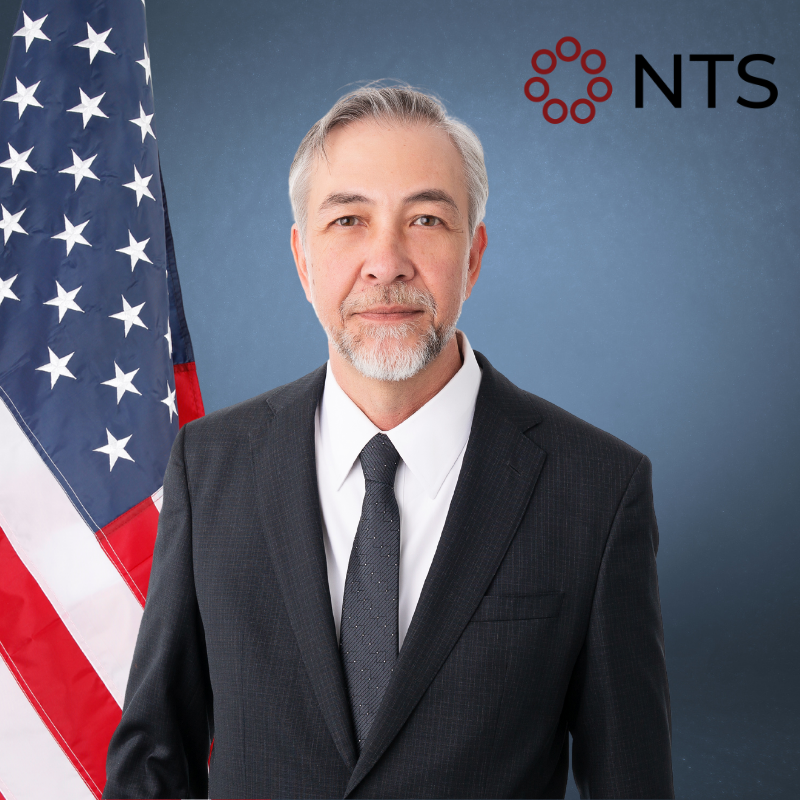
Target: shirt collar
x=429, y=441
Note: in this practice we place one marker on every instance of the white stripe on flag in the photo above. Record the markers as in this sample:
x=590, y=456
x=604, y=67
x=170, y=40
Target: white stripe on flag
x=65, y=558
x=32, y=764
x=158, y=498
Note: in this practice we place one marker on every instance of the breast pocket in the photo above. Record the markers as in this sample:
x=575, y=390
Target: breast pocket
x=498, y=607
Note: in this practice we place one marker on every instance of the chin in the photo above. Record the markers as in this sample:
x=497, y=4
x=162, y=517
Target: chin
x=391, y=352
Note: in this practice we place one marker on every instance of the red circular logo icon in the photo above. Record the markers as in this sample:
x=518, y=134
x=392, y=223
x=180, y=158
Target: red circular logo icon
x=573, y=111
x=544, y=86
x=555, y=102
x=590, y=89
x=571, y=40
x=535, y=61
x=537, y=98
x=596, y=69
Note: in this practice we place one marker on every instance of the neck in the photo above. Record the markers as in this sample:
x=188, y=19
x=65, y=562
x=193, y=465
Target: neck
x=388, y=403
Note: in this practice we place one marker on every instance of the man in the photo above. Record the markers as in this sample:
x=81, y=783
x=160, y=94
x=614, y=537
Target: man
x=399, y=576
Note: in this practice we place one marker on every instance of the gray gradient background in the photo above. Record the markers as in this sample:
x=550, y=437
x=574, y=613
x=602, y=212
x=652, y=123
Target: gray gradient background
x=642, y=272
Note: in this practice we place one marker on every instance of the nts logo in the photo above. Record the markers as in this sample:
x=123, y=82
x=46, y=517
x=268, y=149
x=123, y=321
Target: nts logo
x=590, y=89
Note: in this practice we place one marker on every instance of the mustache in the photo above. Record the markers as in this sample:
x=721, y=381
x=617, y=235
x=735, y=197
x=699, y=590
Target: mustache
x=401, y=294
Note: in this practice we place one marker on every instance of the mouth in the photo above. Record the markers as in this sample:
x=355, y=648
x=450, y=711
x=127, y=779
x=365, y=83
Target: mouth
x=389, y=314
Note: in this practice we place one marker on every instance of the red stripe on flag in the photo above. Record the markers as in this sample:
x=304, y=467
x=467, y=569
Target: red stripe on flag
x=187, y=388
x=128, y=541
x=53, y=672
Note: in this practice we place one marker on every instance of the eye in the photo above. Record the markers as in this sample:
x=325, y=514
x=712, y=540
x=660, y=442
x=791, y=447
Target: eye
x=427, y=221
x=345, y=222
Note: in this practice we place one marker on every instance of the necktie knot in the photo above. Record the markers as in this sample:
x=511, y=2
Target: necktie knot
x=379, y=460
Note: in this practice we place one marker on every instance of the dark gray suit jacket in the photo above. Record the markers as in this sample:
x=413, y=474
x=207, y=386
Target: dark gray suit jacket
x=539, y=616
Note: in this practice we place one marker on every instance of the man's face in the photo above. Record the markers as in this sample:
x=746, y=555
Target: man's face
x=387, y=261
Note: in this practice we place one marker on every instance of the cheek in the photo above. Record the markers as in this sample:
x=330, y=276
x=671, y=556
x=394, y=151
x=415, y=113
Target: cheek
x=330, y=285
x=442, y=265
x=445, y=281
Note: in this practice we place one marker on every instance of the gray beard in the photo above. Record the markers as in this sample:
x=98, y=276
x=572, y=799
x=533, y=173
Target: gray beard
x=386, y=357
x=378, y=351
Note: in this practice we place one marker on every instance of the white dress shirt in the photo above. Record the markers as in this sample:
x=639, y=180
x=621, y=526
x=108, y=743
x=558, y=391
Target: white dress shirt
x=431, y=444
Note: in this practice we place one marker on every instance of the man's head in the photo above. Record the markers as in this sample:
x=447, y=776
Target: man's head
x=388, y=195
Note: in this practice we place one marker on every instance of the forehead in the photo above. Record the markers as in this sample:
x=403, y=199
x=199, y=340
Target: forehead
x=382, y=160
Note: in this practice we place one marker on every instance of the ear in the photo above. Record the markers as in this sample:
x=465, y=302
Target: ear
x=476, y=250
x=300, y=261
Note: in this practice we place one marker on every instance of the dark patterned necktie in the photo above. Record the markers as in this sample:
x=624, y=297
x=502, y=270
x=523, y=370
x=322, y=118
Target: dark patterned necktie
x=369, y=609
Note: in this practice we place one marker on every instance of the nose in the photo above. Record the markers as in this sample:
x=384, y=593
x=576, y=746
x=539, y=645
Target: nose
x=387, y=259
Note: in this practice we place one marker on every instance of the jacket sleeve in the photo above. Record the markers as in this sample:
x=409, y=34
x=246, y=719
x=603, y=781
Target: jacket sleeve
x=160, y=748
x=619, y=697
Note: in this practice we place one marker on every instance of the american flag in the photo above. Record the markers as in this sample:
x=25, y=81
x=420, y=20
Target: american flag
x=96, y=371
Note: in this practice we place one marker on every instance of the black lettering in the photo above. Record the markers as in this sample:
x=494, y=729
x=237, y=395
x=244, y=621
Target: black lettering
x=746, y=76
x=674, y=95
x=712, y=74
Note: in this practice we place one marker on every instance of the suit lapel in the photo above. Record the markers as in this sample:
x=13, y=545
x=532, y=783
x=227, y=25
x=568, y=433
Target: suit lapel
x=498, y=474
x=284, y=463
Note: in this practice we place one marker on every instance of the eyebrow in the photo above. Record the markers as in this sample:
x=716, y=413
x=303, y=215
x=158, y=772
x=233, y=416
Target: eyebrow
x=427, y=195
x=342, y=199
x=433, y=196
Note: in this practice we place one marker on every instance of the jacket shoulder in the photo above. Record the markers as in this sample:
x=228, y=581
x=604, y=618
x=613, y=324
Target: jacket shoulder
x=554, y=429
x=568, y=434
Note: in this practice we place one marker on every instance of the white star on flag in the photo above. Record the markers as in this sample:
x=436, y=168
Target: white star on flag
x=145, y=62
x=168, y=337
x=57, y=367
x=139, y=186
x=17, y=162
x=10, y=223
x=72, y=234
x=80, y=169
x=129, y=315
x=95, y=43
x=65, y=301
x=24, y=97
x=89, y=107
x=135, y=250
x=115, y=449
x=32, y=29
x=143, y=122
x=5, y=289
x=169, y=402
x=123, y=382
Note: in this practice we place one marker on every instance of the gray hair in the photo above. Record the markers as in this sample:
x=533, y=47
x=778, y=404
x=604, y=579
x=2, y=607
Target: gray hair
x=399, y=104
